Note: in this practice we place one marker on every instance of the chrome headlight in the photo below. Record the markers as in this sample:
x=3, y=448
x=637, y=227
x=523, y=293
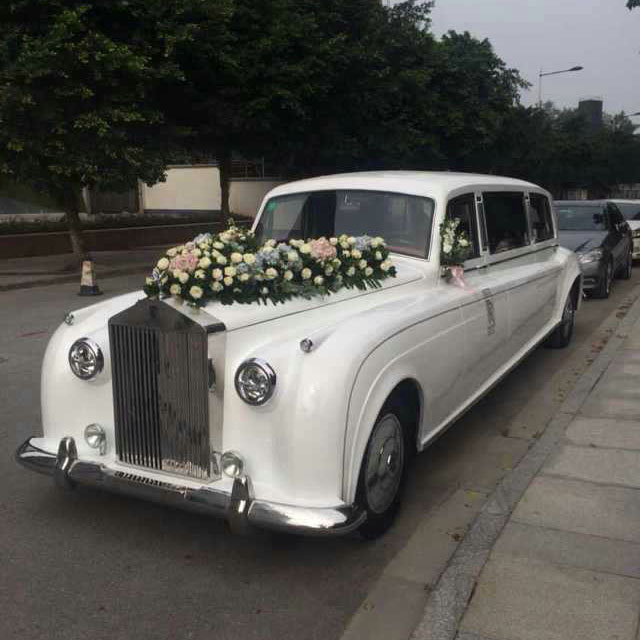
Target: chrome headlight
x=590, y=256
x=255, y=381
x=85, y=359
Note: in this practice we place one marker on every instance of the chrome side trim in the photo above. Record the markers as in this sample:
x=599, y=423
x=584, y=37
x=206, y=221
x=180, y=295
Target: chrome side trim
x=239, y=508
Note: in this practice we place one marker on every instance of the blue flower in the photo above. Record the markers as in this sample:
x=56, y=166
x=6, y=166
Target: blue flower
x=362, y=243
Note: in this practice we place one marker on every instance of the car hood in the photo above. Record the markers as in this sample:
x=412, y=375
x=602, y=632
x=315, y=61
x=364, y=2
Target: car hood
x=237, y=316
x=581, y=241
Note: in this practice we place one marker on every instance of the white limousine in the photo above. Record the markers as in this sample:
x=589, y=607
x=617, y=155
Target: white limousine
x=301, y=415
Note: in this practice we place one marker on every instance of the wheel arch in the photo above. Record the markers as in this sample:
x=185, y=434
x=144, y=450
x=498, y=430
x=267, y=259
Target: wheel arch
x=401, y=385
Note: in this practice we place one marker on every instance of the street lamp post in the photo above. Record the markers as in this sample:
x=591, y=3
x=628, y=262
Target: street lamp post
x=552, y=73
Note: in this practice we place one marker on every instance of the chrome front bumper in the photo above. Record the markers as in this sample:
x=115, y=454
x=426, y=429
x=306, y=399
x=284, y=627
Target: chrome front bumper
x=239, y=508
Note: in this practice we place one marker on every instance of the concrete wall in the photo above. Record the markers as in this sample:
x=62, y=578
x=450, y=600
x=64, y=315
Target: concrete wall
x=197, y=188
x=246, y=195
x=186, y=188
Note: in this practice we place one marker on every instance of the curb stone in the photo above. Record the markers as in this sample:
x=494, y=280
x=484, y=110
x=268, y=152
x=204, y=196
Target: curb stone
x=455, y=587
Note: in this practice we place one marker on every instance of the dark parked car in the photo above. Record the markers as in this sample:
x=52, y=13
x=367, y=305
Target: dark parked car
x=597, y=231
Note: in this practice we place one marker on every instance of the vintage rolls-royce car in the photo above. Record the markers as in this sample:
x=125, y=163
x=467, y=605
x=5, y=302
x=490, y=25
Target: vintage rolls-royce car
x=302, y=415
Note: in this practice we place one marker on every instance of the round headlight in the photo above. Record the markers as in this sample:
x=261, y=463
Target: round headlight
x=85, y=359
x=232, y=464
x=96, y=437
x=255, y=381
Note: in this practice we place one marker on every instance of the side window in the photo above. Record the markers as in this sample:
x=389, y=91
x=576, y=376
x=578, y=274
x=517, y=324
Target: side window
x=615, y=216
x=463, y=208
x=506, y=218
x=540, y=214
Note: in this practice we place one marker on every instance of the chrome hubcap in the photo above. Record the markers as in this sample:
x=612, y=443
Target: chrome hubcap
x=384, y=464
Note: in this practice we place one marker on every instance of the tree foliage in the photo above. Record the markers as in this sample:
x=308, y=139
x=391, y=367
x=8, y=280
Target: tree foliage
x=79, y=92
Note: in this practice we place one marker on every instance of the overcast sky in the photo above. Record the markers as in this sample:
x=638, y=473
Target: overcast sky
x=601, y=35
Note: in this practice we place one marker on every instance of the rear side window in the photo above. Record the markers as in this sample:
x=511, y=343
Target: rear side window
x=507, y=225
x=463, y=208
x=540, y=213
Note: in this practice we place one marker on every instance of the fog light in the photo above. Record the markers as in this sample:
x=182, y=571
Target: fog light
x=96, y=437
x=232, y=464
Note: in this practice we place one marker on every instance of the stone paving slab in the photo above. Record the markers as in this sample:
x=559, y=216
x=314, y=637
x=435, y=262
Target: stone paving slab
x=605, y=466
x=570, y=549
x=581, y=507
x=519, y=599
x=606, y=406
x=604, y=432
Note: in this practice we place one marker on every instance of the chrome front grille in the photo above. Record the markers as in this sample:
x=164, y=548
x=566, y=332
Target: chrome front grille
x=160, y=390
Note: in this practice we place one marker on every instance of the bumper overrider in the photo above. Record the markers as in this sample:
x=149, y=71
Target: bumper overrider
x=239, y=508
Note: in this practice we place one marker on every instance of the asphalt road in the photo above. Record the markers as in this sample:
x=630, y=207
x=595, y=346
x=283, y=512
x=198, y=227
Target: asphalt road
x=87, y=564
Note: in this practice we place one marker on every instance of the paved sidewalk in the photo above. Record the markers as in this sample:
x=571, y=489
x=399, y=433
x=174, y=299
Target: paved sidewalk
x=555, y=553
x=19, y=273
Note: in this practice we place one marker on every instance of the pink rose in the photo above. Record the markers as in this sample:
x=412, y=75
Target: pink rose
x=322, y=249
x=184, y=263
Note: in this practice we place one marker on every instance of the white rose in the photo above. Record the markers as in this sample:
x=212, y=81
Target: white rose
x=221, y=259
x=356, y=254
x=362, y=264
x=196, y=292
x=149, y=281
x=378, y=255
x=328, y=271
x=344, y=245
x=305, y=248
x=351, y=271
x=385, y=266
x=217, y=274
x=249, y=258
x=287, y=275
x=271, y=273
x=183, y=277
x=236, y=257
x=175, y=289
x=172, y=252
x=163, y=264
x=197, y=253
x=446, y=247
x=204, y=263
x=244, y=277
x=337, y=264
x=306, y=273
x=270, y=243
x=318, y=280
x=218, y=245
x=216, y=286
x=346, y=254
x=264, y=291
x=351, y=240
x=463, y=243
x=200, y=274
x=228, y=281
x=292, y=256
x=230, y=271
x=368, y=271
x=333, y=241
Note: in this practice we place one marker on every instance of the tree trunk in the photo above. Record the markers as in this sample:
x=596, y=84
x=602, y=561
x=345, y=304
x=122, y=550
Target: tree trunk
x=224, y=167
x=75, y=226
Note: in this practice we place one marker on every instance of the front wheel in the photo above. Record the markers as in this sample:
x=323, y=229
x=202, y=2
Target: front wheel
x=383, y=471
x=561, y=337
x=627, y=269
x=604, y=288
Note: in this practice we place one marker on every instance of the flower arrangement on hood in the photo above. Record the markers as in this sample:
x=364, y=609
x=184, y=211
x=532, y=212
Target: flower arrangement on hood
x=231, y=267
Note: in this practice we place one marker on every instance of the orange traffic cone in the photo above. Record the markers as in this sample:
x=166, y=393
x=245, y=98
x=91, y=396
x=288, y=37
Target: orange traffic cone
x=88, y=286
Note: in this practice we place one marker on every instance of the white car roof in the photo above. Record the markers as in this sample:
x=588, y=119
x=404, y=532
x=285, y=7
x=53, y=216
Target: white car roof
x=427, y=183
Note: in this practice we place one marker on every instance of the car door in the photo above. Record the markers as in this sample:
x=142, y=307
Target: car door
x=619, y=236
x=484, y=313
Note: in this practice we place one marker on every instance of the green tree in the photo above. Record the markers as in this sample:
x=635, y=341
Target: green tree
x=81, y=93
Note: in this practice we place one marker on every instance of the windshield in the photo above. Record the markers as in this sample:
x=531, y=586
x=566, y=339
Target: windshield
x=630, y=210
x=580, y=217
x=404, y=221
